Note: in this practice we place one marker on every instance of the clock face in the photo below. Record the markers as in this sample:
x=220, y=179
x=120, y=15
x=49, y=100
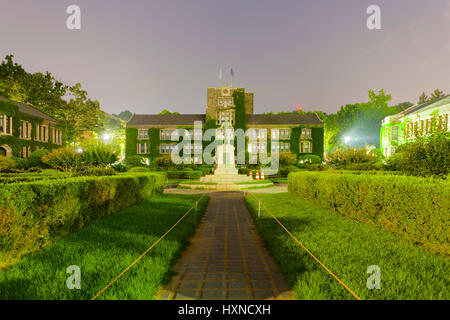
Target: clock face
x=226, y=92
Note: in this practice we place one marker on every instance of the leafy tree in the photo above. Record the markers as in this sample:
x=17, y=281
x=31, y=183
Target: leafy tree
x=68, y=104
x=436, y=94
x=124, y=115
x=168, y=112
x=423, y=98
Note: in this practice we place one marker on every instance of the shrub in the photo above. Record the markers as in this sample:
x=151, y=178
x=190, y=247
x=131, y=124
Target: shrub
x=35, y=214
x=341, y=159
x=95, y=171
x=119, y=167
x=98, y=154
x=309, y=158
x=139, y=169
x=317, y=167
x=64, y=159
x=184, y=174
x=6, y=163
x=135, y=161
x=414, y=207
x=35, y=159
x=287, y=159
x=164, y=162
x=427, y=156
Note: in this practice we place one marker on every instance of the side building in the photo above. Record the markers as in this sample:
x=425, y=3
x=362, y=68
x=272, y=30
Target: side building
x=300, y=134
x=24, y=129
x=422, y=119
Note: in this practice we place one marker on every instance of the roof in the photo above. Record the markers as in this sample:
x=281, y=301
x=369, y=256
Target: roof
x=283, y=119
x=29, y=109
x=434, y=103
x=165, y=119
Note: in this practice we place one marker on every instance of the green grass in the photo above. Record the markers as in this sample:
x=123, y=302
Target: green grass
x=105, y=248
x=279, y=180
x=347, y=248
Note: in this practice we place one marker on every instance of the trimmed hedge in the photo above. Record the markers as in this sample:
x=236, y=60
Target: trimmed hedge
x=417, y=208
x=35, y=214
x=184, y=174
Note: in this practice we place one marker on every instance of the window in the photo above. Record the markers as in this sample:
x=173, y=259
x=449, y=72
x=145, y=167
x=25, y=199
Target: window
x=41, y=133
x=25, y=130
x=225, y=116
x=169, y=134
x=142, y=148
x=168, y=148
x=25, y=152
x=280, y=147
x=5, y=124
x=305, y=147
x=142, y=134
x=306, y=133
x=56, y=136
x=394, y=133
x=280, y=133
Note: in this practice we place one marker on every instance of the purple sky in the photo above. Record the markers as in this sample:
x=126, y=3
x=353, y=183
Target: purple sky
x=148, y=55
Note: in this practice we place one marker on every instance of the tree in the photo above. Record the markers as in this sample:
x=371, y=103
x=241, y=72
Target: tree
x=165, y=111
x=423, y=98
x=124, y=115
x=437, y=94
x=68, y=104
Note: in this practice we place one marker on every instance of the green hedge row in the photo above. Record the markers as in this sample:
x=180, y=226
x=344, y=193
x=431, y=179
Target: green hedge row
x=417, y=208
x=184, y=174
x=34, y=214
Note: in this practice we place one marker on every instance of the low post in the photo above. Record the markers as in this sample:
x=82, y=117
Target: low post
x=259, y=208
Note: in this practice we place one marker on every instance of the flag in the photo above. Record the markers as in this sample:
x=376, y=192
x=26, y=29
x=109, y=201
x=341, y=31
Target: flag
x=220, y=74
x=231, y=72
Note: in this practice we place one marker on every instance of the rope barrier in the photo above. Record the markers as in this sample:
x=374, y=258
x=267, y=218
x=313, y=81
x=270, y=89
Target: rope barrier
x=146, y=251
x=306, y=249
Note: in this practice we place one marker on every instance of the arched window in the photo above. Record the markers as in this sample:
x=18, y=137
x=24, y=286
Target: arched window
x=305, y=147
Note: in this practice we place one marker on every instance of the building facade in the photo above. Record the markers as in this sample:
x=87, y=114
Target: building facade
x=422, y=119
x=151, y=135
x=24, y=129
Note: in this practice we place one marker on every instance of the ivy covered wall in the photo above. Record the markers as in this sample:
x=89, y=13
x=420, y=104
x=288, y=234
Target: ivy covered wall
x=14, y=141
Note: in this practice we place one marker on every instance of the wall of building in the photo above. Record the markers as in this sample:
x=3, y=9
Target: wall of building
x=14, y=142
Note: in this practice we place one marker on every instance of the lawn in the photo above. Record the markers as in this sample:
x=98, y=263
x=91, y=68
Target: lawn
x=105, y=248
x=347, y=248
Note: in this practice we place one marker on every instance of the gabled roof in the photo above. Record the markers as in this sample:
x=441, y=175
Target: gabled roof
x=29, y=109
x=435, y=103
x=165, y=119
x=286, y=119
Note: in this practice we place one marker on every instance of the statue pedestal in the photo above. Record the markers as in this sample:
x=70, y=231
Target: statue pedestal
x=226, y=172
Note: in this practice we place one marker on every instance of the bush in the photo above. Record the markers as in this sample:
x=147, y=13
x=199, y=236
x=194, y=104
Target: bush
x=317, y=167
x=98, y=154
x=245, y=171
x=6, y=163
x=342, y=159
x=95, y=171
x=139, y=169
x=119, y=167
x=35, y=214
x=287, y=159
x=416, y=208
x=184, y=174
x=164, y=162
x=64, y=159
x=135, y=161
x=35, y=159
x=427, y=156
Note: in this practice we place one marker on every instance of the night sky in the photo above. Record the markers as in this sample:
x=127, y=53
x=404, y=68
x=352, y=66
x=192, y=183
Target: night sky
x=146, y=56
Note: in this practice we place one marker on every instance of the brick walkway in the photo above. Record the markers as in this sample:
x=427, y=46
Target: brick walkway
x=226, y=259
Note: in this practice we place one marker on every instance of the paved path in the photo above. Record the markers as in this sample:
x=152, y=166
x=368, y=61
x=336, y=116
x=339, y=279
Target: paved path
x=275, y=189
x=226, y=258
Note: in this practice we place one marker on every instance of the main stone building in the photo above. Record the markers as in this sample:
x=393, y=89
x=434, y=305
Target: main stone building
x=301, y=134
